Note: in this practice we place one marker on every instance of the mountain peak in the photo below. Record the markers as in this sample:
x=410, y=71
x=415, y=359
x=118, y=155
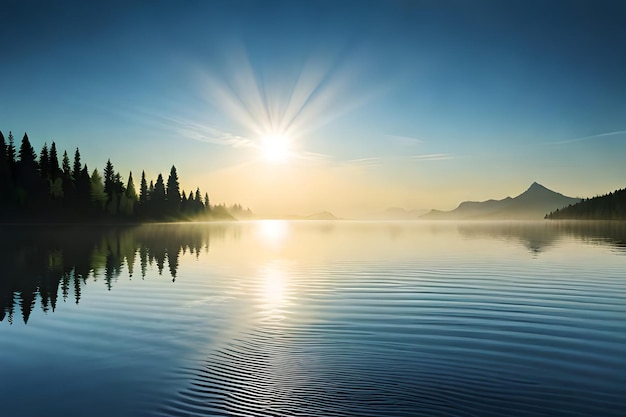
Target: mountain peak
x=536, y=186
x=538, y=191
x=533, y=203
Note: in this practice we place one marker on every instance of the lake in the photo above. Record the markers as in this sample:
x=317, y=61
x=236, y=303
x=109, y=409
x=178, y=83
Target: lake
x=279, y=318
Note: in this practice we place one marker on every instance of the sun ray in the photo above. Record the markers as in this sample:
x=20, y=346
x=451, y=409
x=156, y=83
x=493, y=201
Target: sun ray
x=276, y=111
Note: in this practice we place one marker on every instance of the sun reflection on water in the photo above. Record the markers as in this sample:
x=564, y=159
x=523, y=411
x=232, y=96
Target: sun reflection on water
x=273, y=290
x=273, y=232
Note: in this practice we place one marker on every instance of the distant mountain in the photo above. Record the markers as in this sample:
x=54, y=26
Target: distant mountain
x=398, y=213
x=322, y=215
x=611, y=206
x=532, y=204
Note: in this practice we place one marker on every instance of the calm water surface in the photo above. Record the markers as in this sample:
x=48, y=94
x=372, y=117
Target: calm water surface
x=276, y=318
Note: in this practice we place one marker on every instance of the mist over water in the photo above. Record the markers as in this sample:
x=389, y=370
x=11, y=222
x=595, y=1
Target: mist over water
x=279, y=318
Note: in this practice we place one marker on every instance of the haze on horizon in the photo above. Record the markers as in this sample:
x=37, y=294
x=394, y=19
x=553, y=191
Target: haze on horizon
x=351, y=107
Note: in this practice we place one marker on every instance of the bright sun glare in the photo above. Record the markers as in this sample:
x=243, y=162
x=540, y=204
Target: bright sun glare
x=275, y=148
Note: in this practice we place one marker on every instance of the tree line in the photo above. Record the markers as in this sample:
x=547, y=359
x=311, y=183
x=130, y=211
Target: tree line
x=611, y=206
x=38, y=187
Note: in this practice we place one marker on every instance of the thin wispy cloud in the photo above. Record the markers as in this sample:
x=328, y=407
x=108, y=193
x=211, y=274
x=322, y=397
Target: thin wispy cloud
x=362, y=162
x=314, y=156
x=331, y=161
x=591, y=137
x=201, y=132
x=404, y=140
x=432, y=157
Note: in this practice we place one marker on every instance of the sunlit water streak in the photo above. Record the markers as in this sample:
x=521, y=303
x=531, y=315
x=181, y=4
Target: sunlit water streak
x=320, y=318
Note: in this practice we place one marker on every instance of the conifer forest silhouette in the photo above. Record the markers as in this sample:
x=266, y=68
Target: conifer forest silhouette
x=38, y=188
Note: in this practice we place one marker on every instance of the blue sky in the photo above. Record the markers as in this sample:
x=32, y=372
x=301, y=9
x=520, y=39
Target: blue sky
x=397, y=103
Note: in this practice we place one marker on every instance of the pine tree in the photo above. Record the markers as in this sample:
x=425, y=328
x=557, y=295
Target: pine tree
x=118, y=186
x=77, y=167
x=27, y=178
x=67, y=171
x=27, y=167
x=130, y=188
x=159, y=189
x=83, y=184
x=109, y=179
x=207, y=205
x=197, y=206
x=11, y=153
x=55, y=171
x=128, y=197
x=28, y=157
x=44, y=162
x=173, y=192
x=116, y=190
x=143, y=189
x=157, y=198
x=98, y=196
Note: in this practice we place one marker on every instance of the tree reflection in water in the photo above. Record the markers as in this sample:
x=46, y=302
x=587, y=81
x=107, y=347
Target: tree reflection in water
x=45, y=262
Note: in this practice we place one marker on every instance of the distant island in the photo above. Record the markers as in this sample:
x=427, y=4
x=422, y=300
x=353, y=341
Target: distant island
x=38, y=189
x=532, y=204
x=611, y=206
x=322, y=215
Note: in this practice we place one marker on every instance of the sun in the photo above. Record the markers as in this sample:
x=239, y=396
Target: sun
x=275, y=148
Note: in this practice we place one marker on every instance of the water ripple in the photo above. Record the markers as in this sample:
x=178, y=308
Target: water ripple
x=410, y=342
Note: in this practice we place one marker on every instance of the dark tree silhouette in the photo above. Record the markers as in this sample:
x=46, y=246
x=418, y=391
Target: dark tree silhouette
x=611, y=206
x=83, y=186
x=173, y=193
x=28, y=179
x=143, y=190
x=159, y=189
x=77, y=167
x=67, y=171
x=11, y=154
x=129, y=198
x=130, y=188
x=27, y=155
x=109, y=179
x=33, y=188
x=44, y=162
x=55, y=171
x=157, y=198
x=98, y=196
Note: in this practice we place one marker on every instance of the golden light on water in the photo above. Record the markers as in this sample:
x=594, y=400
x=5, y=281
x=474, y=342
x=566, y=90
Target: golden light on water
x=274, y=291
x=273, y=286
x=273, y=232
